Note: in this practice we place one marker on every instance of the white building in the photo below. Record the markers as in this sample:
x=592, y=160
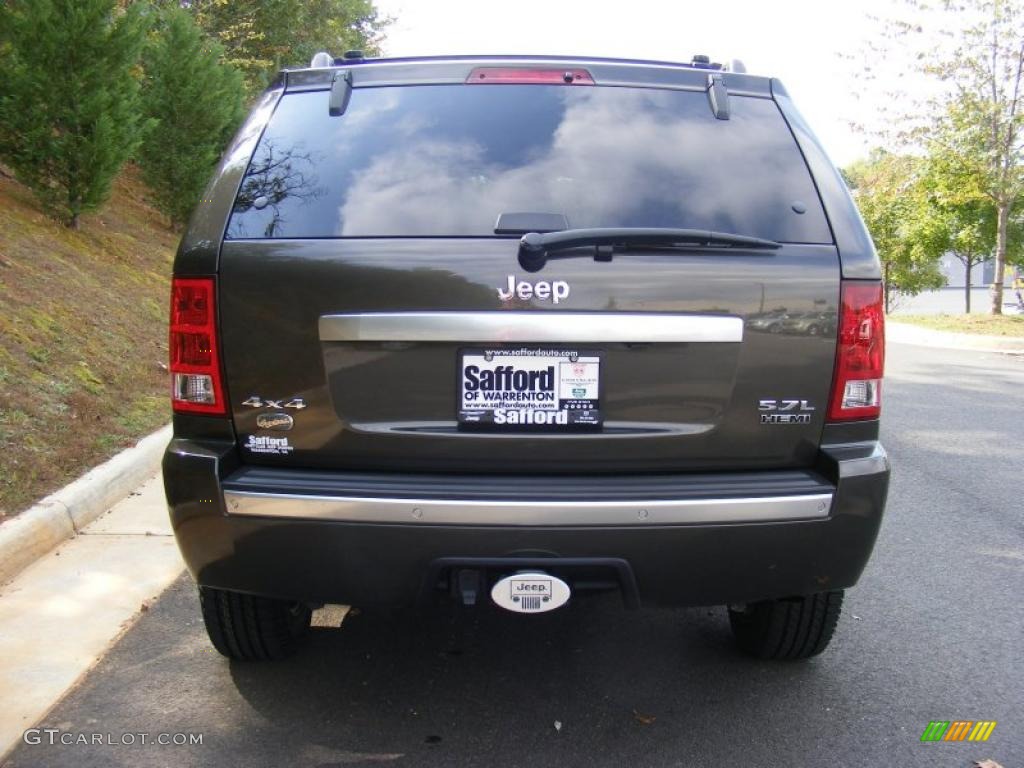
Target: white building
x=981, y=274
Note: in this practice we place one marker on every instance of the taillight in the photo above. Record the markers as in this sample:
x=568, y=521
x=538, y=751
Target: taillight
x=194, y=357
x=530, y=75
x=860, y=354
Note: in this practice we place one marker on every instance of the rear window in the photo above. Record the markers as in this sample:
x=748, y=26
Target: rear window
x=447, y=160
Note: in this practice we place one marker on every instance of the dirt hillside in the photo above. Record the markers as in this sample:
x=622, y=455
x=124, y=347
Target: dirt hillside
x=83, y=337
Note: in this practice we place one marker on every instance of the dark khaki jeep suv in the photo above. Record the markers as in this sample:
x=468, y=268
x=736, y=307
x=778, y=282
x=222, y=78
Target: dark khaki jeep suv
x=514, y=329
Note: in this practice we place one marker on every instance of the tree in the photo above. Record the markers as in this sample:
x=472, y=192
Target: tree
x=274, y=175
x=974, y=51
x=193, y=103
x=967, y=241
x=261, y=36
x=959, y=218
x=69, y=100
x=888, y=192
x=963, y=227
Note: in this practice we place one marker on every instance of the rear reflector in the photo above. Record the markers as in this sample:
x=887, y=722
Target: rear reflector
x=548, y=76
x=194, y=359
x=860, y=354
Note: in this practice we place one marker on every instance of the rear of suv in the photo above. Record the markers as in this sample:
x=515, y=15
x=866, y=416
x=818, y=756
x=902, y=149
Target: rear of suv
x=508, y=330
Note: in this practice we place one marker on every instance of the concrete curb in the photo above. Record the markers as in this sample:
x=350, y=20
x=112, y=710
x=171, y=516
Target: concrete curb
x=62, y=514
x=905, y=333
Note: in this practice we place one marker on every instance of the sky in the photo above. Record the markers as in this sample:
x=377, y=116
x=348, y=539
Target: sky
x=798, y=41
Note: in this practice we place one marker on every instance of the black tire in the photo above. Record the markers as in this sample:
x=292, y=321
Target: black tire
x=791, y=628
x=250, y=628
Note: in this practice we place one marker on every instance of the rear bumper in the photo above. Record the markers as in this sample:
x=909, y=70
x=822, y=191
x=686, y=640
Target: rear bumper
x=372, y=539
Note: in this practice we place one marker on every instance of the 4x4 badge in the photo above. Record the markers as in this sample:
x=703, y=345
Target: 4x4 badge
x=257, y=402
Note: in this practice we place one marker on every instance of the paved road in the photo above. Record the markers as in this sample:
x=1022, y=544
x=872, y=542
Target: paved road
x=934, y=631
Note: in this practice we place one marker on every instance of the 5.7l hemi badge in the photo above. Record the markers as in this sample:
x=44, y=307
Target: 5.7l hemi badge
x=785, y=411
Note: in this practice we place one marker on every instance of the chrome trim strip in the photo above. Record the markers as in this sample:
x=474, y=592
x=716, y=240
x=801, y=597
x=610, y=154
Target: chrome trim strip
x=532, y=513
x=543, y=327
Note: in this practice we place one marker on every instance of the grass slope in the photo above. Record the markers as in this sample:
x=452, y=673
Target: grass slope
x=989, y=325
x=83, y=337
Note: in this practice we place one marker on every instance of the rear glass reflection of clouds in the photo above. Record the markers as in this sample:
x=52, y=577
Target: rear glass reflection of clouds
x=447, y=160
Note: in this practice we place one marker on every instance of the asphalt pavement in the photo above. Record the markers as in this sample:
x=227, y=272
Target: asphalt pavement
x=933, y=632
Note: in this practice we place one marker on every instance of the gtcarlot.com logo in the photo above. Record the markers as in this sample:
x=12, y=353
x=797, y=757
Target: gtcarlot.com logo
x=958, y=730
x=57, y=737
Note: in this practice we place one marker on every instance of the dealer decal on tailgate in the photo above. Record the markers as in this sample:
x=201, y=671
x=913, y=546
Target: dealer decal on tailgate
x=529, y=388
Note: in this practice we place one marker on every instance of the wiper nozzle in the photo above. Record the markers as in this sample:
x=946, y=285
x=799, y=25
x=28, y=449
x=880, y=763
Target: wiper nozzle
x=535, y=248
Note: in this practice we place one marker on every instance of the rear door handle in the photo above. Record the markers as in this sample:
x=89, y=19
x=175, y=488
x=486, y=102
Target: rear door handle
x=545, y=327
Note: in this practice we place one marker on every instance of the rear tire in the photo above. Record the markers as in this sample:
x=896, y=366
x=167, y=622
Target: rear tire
x=790, y=628
x=250, y=628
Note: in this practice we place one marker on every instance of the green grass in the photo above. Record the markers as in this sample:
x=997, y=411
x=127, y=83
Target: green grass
x=988, y=325
x=83, y=334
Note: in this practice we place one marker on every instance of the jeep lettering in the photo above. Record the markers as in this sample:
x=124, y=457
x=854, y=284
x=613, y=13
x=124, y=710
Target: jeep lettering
x=556, y=291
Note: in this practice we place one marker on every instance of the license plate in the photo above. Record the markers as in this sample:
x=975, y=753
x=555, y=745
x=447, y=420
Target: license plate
x=529, y=389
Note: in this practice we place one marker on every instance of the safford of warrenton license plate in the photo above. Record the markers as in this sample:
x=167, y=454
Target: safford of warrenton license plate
x=529, y=388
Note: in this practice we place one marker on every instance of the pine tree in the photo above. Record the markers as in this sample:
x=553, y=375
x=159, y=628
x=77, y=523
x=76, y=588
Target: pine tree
x=261, y=36
x=69, y=98
x=193, y=104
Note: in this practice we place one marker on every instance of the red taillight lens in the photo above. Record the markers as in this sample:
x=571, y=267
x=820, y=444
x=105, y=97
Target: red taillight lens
x=531, y=75
x=194, y=359
x=860, y=354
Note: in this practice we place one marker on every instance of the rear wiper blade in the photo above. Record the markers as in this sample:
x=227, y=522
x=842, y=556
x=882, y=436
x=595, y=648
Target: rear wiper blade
x=535, y=247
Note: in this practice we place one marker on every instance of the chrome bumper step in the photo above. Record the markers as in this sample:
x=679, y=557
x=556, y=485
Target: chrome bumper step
x=533, y=513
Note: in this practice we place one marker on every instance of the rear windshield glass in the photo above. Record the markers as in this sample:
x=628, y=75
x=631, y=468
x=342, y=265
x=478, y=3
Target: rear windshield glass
x=447, y=160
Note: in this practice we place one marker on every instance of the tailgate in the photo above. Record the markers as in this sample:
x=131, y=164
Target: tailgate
x=348, y=227
x=387, y=395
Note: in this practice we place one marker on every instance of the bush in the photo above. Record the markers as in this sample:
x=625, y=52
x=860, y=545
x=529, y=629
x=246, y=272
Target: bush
x=69, y=101
x=193, y=104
